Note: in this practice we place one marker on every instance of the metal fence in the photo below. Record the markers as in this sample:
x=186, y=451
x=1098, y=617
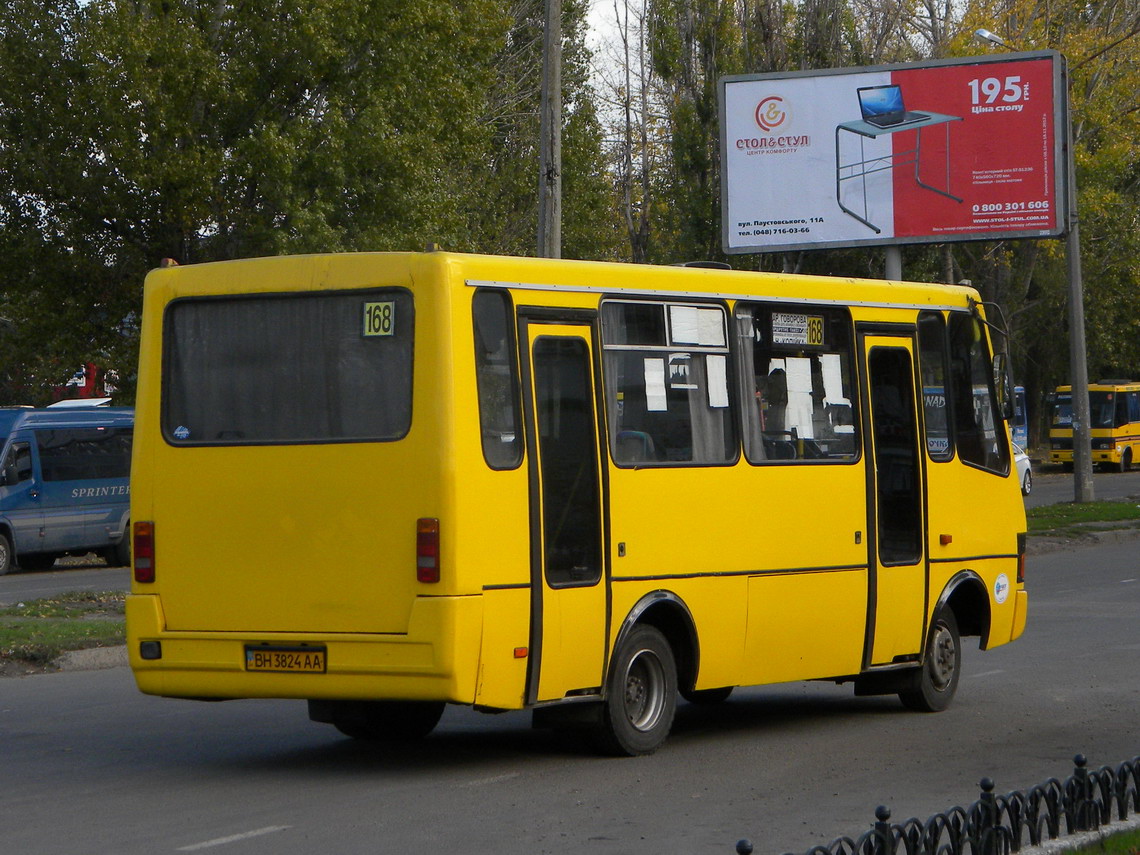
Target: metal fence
x=997, y=824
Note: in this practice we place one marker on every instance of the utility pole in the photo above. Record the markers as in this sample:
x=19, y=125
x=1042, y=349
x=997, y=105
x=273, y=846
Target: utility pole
x=1078, y=360
x=550, y=133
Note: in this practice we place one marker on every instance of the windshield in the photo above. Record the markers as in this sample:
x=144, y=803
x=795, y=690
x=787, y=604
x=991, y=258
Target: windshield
x=1103, y=409
x=1106, y=410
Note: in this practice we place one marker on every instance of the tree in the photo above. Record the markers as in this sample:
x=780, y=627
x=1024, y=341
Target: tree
x=202, y=130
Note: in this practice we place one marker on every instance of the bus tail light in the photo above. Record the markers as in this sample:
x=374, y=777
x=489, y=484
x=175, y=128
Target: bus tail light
x=144, y=551
x=427, y=550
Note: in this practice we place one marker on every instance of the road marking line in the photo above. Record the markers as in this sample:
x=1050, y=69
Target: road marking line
x=492, y=780
x=987, y=674
x=233, y=838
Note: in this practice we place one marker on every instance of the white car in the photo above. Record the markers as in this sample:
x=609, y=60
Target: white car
x=1024, y=470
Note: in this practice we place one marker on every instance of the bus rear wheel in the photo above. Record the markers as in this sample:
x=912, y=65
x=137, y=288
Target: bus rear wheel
x=5, y=555
x=641, y=694
x=941, y=667
x=379, y=721
x=707, y=697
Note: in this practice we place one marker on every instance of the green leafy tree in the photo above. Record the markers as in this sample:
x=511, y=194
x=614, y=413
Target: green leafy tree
x=134, y=130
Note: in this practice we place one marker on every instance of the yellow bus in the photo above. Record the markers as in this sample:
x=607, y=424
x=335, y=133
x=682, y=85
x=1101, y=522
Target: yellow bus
x=382, y=483
x=1114, y=419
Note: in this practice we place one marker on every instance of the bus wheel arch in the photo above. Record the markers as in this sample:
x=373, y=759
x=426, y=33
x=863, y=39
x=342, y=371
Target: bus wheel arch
x=655, y=646
x=669, y=614
x=965, y=595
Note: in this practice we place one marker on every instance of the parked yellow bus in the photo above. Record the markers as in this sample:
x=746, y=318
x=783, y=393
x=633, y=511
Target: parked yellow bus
x=386, y=482
x=1114, y=425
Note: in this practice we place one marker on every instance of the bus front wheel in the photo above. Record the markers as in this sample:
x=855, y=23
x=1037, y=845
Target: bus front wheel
x=641, y=694
x=941, y=667
x=1126, y=460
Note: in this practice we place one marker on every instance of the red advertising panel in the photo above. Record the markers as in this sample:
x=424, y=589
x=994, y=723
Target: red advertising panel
x=959, y=150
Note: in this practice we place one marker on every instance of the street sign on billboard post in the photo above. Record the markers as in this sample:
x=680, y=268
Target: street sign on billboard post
x=954, y=150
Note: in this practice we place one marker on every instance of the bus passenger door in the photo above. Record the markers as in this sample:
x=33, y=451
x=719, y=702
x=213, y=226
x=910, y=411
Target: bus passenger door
x=569, y=591
x=896, y=507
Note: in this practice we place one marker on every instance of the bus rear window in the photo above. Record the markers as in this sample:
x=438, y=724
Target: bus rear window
x=267, y=369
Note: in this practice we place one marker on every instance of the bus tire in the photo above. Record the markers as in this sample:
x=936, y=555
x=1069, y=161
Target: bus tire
x=1126, y=460
x=5, y=555
x=941, y=667
x=387, y=721
x=707, y=697
x=641, y=694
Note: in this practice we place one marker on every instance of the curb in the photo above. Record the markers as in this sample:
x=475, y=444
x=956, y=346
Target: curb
x=93, y=659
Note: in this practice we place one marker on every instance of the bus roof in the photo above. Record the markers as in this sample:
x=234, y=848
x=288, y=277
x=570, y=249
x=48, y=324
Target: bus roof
x=315, y=272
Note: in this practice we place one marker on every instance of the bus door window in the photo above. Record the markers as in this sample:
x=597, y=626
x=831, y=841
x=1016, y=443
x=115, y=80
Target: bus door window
x=795, y=378
x=666, y=376
x=894, y=433
x=568, y=454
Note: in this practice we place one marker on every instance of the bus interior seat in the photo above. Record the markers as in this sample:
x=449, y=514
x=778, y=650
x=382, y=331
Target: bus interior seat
x=635, y=446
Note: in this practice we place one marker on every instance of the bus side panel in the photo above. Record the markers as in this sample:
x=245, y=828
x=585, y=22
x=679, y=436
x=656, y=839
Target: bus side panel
x=504, y=652
x=957, y=542
x=794, y=621
x=747, y=520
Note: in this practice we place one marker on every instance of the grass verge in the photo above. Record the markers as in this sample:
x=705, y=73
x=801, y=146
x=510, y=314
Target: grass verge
x=1125, y=843
x=36, y=632
x=1072, y=519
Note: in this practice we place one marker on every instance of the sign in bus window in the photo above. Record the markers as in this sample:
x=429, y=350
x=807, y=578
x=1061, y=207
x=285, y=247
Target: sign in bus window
x=380, y=318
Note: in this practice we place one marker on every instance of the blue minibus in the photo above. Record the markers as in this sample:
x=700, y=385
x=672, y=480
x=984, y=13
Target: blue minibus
x=64, y=485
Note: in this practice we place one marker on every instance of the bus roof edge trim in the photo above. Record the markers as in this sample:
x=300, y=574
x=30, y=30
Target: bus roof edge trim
x=703, y=295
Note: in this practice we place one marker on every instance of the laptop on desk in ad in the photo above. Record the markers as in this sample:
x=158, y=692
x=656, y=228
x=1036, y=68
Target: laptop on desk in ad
x=882, y=106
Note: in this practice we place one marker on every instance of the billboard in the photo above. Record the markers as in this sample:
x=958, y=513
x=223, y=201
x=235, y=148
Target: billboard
x=956, y=150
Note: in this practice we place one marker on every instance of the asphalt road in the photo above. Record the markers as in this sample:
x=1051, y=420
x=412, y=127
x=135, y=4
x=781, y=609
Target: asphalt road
x=18, y=586
x=92, y=766
x=1051, y=485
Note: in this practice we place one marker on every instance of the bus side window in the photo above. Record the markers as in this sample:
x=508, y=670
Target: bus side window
x=794, y=367
x=976, y=419
x=496, y=378
x=666, y=377
x=932, y=364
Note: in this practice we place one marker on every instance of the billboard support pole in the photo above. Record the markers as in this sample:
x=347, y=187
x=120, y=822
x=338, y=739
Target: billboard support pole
x=1078, y=360
x=892, y=267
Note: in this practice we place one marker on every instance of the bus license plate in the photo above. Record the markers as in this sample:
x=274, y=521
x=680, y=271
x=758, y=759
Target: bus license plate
x=300, y=660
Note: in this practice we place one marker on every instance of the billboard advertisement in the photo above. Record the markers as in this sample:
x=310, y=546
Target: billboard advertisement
x=967, y=149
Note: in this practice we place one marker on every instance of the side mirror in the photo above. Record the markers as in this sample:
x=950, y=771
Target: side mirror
x=1003, y=389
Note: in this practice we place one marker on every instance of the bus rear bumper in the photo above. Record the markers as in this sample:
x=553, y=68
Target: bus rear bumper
x=429, y=662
